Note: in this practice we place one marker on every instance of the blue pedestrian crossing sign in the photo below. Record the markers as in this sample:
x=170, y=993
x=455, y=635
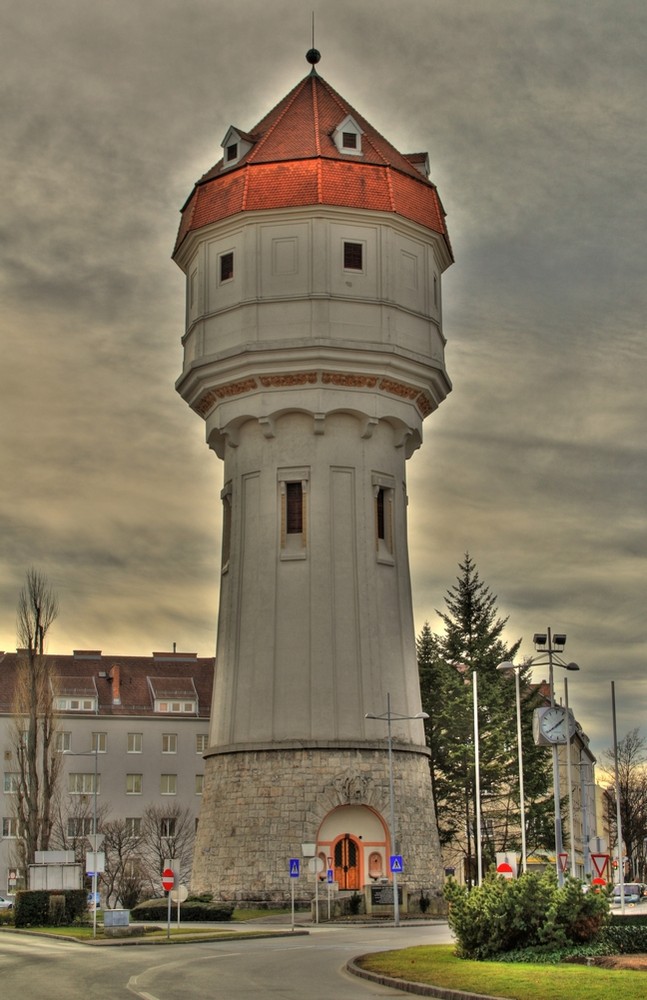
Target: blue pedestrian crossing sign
x=396, y=863
x=294, y=867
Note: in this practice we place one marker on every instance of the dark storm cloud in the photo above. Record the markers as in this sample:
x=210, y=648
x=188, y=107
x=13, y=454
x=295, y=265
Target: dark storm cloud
x=535, y=121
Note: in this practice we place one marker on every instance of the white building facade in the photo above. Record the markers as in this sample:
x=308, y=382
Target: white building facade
x=147, y=718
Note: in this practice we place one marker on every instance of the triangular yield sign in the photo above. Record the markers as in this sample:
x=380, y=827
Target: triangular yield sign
x=600, y=863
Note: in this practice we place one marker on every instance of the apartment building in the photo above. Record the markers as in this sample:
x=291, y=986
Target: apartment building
x=140, y=724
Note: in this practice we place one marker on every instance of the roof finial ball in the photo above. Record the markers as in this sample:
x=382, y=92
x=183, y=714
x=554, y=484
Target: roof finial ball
x=313, y=56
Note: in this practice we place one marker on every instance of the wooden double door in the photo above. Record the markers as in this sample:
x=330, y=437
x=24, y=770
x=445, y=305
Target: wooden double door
x=346, y=861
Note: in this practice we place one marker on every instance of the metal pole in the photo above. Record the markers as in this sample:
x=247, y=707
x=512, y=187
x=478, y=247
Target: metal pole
x=396, y=901
x=477, y=780
x=522, y=807
x=569, y=779
x=94, y=826
x=556, y=789
x=621, y=868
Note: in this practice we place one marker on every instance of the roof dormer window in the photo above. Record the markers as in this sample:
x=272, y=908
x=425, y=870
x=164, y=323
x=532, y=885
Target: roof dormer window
x=235, y=145
x=348, y=137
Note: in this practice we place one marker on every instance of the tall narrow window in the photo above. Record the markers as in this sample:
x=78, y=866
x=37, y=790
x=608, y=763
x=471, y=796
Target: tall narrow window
x=227, y=266
x=293, y=493
x=294, y=508
x=232, y=152
x=353, y=256
x=379, y=504
x=383, y=492
x=226, y=527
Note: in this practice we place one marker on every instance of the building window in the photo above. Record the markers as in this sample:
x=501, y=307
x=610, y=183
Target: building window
x=232, y=152
x=82, y=783
x=199, y=782
x=293, y=490
x=76, y=704
x=383, y=491
x=133, y=826
x=349, y=140
x=167, y=826
x=177, y=707
x=99, y=742
x=226, y=527
x=169, y=742
x=168, y=784
x=80, y=826
x=63, y=742
x=134, y=784
x=9, y=827
x=135, y=742
x=201, y=742
x=353, y=256
x=11, y=782
x=294, y=508
x=227, y=266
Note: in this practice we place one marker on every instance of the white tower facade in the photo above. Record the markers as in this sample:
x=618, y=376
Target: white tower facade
x=313, y=253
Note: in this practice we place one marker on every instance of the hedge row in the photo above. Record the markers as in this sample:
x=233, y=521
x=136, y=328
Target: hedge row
x=49, y=907
x=191, y=909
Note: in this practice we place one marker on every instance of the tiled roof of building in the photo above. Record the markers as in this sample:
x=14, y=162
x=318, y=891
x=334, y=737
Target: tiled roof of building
x=294, y=161
x=123, y=685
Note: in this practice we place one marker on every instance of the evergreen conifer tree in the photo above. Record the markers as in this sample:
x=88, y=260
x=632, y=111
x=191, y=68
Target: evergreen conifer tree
x=472, y=642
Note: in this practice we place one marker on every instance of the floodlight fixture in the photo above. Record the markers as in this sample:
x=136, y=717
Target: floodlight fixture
x=540, y=639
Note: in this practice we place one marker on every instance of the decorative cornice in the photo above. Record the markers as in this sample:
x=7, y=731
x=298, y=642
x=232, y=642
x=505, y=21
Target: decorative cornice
x=283, y=380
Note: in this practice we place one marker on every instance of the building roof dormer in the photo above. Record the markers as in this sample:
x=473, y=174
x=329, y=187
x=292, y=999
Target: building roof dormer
x=348, y=137
x=235, y=146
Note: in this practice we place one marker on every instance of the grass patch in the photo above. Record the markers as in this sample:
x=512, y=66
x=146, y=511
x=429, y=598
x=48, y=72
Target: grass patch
x=437, y=965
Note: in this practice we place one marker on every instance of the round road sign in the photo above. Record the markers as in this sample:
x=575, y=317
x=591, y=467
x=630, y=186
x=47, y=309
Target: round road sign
x=168, y=879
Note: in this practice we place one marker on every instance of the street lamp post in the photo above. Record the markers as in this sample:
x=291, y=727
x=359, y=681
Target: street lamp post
x=553, y=645
x=522, y=802
x=388, y=717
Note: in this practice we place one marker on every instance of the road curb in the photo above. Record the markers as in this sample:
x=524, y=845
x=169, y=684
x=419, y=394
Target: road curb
x=421, y=989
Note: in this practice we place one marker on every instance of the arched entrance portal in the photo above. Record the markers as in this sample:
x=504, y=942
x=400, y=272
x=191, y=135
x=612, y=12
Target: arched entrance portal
x=346, y=856
x=353, y=841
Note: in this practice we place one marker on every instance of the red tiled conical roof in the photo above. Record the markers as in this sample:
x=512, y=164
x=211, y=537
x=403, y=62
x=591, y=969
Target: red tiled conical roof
x=294, y=161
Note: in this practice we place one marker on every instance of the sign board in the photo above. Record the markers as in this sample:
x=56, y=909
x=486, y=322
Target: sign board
x=179, y=894
x=600, y=863
x=382, y=895
x=294, y=867
x=168, y=879
x=507, y=864
x=315, y=865
x=308, y=850
x=95, y=864
x=563, y=862
x=330, y=876
x=396, y=864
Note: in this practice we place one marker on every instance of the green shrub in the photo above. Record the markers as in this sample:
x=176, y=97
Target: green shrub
x=626, y=935
x=504, y=915
x=191, y=910
x=33, y=909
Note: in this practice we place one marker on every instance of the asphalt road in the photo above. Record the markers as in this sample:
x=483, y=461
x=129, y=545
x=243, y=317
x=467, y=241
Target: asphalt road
x=309, y=967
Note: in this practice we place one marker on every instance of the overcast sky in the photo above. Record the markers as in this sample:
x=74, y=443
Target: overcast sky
x=534, y=116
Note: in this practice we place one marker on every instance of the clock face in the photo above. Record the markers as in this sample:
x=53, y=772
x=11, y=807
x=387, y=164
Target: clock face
x=554, y=724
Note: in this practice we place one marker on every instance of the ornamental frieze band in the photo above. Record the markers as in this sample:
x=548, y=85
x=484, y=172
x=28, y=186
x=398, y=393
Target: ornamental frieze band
x=290, y=379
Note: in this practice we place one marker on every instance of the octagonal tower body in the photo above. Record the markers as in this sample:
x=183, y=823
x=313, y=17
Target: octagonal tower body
x=313, y=253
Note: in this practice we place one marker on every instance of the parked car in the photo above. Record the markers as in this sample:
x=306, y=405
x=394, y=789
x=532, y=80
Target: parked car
x=634, y=892
x=6, y=902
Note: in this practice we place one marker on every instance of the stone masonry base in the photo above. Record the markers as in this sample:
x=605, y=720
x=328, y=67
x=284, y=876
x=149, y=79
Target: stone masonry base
x=260, y=806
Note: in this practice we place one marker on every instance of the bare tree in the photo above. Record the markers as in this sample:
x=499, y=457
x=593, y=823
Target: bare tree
x=34, y=719
x=632, y=775
x=167, y=832
x=124, y=879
